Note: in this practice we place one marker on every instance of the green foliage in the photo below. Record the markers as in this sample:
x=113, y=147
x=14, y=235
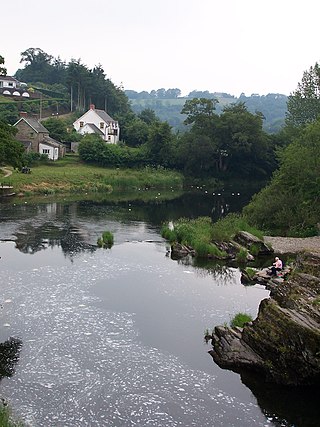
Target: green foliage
x=6, y=418
x=250, y=272
x=168, y=234
x=240, y=319
x=10, y=150
x=3, y=70
x=290, y=204
x=106, y=241
x=57, y=129
x=196, y=233
x=242, y=255
x=226, y=228
x=304, y=103
x=32, y=159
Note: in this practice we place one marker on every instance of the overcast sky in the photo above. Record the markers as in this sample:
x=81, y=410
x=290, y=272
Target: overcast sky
x=233, y=46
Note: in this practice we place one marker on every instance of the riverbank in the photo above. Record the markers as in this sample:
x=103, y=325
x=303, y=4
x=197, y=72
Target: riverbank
x=282, y=343
x=70, y=175
x=292, y=245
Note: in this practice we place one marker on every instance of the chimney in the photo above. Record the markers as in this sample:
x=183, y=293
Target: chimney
x=23, y=114
x=92, y=106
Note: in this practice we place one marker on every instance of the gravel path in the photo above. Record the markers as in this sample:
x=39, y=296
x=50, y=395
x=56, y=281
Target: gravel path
x=294, y=244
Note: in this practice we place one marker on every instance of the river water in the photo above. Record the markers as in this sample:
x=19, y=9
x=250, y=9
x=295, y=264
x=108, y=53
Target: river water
x=114, y=337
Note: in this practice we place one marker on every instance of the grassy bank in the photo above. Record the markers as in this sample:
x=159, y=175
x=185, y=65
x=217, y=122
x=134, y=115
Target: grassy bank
x=70, y=175
x=203, y=235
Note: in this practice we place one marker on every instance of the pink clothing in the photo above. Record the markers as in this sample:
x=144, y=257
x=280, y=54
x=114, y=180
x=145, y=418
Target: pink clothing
x=278, y=263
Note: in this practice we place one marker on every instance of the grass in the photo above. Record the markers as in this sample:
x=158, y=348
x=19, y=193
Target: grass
x=196, y=233
x=106, y=241
x=226, y=228
x=240, y=319
x=6, y=419
x=70, y=175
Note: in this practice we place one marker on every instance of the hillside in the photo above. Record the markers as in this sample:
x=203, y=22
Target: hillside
x=272, y=106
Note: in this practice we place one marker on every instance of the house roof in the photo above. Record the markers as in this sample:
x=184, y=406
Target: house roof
x=34, y=123
x=50, y=141
x=9, y=78
x=104, y=116
x=94, y=128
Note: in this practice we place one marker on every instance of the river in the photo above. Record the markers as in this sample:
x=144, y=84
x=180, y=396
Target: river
x=114, y=337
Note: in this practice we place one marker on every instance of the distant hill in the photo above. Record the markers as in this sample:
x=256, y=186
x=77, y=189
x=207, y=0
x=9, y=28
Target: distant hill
x=273, y=106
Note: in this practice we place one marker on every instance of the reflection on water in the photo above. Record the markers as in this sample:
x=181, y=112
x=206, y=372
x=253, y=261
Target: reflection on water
x=285, y=406
x=9, y=356
x=115, y=338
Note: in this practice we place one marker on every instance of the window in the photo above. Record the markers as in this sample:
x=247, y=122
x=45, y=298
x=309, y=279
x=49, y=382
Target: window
x=81, y=124
x=10, y=84
x=109, y=138
x=45, y=151
x=31, y=134
x=101, y=125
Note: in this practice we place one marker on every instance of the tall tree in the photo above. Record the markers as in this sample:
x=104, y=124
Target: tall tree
x=304, y=103
x=10, y=149
x=3, y=70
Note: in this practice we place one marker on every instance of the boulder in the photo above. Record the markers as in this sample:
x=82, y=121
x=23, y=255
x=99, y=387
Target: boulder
x=252, y=243
x=283, y=342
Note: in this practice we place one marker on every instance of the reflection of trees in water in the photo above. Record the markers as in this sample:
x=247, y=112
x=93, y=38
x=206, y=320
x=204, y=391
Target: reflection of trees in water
x=32, y=238
x=285, y=406
x=222, y=272
x=9, y=356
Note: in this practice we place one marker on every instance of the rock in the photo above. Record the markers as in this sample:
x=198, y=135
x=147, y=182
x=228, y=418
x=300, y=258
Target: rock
x=255, y=245
x=283, y=342
x=180, y=251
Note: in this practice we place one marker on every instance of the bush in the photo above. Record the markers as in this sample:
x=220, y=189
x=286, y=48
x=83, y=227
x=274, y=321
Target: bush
x=240, y=319
x=6, y=419
x=106, y=241
x=226, y=228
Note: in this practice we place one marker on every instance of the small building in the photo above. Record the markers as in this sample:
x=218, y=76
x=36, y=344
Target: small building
x=9, y=82
x=100, y=123
x=35, y=138
x=10, y=86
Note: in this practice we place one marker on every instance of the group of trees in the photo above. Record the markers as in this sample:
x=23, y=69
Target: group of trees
x=220, y=142
x=72, y=80
x=290, y=204
x=230, y=144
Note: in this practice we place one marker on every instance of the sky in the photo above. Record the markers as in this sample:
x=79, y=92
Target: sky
x=232, y=46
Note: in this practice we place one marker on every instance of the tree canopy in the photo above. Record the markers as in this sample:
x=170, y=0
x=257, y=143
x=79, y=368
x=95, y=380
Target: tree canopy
x=304, y=103
x=11, y=150
x=290, y=204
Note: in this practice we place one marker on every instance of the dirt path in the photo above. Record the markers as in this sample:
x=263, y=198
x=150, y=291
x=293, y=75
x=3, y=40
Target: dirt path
x=7, y=172
x=294, y=244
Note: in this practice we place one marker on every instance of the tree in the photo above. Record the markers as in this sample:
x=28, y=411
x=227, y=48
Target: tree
x=304, y=103
x=3, y=70
x=290, y=205
x=243, y=145
x=11, y=150
x=159, y=143
x=57, y=129
x=199, y=110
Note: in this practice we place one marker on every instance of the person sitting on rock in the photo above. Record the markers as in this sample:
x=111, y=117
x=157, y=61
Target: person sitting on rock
x=276, y=266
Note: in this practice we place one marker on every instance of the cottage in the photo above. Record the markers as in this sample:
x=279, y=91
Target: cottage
x=98, y=122
x=35, y=138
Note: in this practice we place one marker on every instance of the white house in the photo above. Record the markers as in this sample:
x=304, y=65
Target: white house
x=9, y=82
x=100, y=123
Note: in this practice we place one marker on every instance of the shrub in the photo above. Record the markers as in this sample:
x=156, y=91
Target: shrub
x=168, y=234
x=242, y=255
x=106, y=241
x=240, y=319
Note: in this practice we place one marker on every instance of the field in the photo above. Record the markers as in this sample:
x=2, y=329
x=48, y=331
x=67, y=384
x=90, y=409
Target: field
x=70, y=175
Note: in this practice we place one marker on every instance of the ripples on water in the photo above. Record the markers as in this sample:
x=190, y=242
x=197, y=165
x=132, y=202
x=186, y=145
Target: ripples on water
x=84, y=365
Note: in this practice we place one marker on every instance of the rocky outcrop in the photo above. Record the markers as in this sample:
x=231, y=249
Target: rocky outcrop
x=283, y=342
x=252, y=243
x=242, y=242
